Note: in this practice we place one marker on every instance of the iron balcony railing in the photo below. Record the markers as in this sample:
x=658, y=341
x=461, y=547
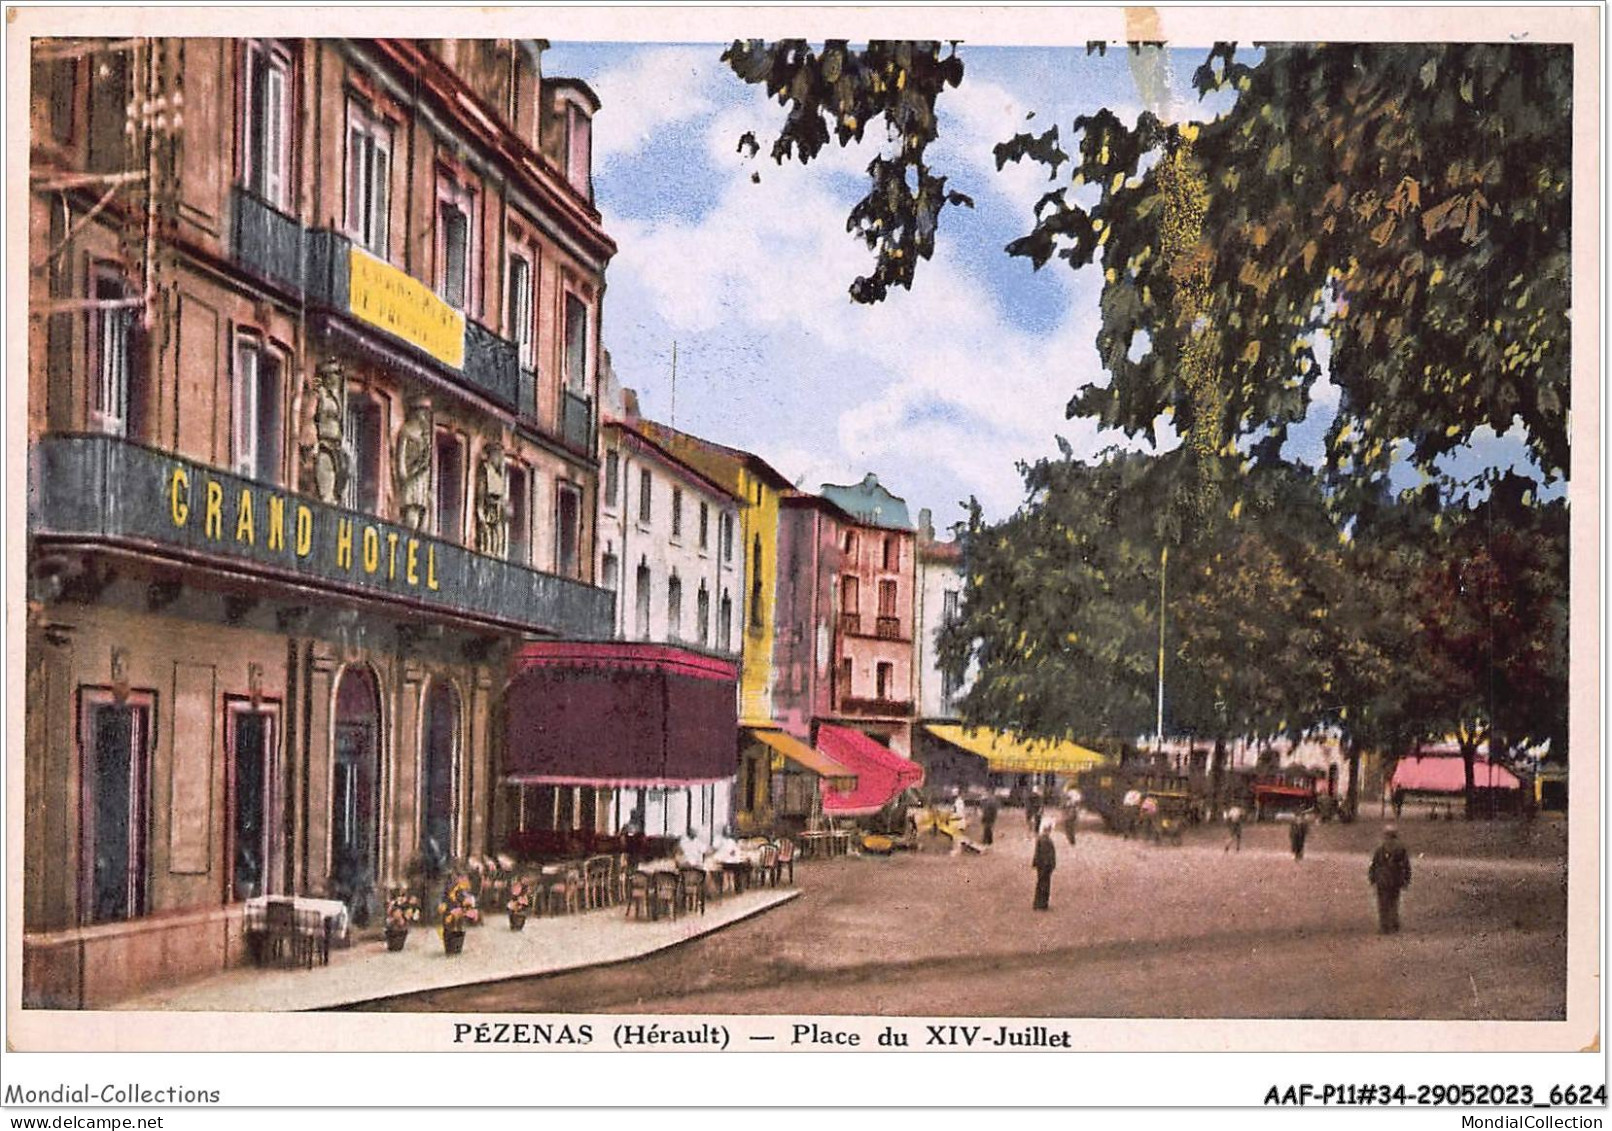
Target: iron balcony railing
x=101, y=489
x=314, y=263
x=875, y=708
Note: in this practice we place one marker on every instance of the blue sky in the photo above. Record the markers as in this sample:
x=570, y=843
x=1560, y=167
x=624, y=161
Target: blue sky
x=940, y=390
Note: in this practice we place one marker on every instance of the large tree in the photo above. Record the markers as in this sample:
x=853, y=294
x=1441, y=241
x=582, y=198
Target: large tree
x=1410, y=201
x=1491, y=606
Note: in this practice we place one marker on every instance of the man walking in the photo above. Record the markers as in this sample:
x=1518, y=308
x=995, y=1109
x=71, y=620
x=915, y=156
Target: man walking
x=988, y=811
x=1032, y=810
x=1044, y=861
x=1234, y=823
x=1390, y=874
x=1297, y=833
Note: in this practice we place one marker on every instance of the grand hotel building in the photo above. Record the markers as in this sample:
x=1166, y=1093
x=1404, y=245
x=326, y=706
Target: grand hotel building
x=313, y=349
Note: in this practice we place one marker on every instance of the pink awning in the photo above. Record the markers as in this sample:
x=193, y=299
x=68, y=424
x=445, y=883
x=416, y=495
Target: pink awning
x=1444, y=774
x=881, y=773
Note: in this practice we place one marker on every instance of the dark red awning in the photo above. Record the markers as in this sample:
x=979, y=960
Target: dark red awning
x=881, y=773
x=620, y=714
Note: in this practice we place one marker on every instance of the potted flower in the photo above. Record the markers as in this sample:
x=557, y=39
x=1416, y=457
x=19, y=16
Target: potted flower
x=456, y=912
x=402, y=911
x=520, y=903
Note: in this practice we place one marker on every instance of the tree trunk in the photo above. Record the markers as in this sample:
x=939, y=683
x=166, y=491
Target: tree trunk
x=1351, y=803
x=1469, y=754
x=1217, y=776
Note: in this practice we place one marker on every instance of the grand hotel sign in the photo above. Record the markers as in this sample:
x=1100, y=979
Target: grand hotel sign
x=102, y=489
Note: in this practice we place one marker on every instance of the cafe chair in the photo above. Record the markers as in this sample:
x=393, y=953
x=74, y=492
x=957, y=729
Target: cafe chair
x=566, y=891
x=668, y=890
x=621, y=873
x=786, y=860
x=691, y=888
x=284, y=938
x=767, y=864
x=640, y=895
x=313, y=931
x=596, y=882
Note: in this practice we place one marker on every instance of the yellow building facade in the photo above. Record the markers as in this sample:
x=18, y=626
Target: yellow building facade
x=760, y=489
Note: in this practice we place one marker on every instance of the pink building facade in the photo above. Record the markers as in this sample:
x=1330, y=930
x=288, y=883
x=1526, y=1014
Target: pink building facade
x=844, y=652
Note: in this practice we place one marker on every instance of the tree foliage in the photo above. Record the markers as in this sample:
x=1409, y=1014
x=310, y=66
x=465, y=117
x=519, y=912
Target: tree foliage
x=1491, y=603
x=1428, y=620
x=837, y=91
x=1412, y=201
x=1061, y=610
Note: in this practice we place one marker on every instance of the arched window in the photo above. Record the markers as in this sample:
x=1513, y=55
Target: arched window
x=702, y=616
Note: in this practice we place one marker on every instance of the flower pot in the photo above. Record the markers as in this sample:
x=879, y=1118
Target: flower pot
x=395, y=939
x=453, y=941
x=517, y=920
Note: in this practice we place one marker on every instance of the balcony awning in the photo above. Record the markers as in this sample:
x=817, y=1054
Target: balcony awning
x=620, y=714
x=1005, y=754
x=814, y=761
x=881, y=773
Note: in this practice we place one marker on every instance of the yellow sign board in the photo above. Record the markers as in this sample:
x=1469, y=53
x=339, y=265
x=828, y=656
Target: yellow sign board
x=404, y=307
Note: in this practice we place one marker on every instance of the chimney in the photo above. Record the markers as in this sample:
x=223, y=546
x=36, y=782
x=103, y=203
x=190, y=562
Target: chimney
x=926, y=525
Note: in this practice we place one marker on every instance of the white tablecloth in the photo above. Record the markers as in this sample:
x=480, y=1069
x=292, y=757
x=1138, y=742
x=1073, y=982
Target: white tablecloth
x=333, y=912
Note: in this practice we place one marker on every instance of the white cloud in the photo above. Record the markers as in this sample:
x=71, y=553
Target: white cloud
x=939, y=389
x=650, y=91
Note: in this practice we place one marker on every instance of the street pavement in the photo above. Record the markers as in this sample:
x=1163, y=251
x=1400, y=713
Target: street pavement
x=1135, y=930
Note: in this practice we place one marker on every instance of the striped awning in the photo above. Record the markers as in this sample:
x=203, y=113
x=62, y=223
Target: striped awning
x=1005, y=754
x=788, y=747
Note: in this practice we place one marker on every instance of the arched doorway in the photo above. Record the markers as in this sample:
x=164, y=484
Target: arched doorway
x=355, y=783
x=438, y=776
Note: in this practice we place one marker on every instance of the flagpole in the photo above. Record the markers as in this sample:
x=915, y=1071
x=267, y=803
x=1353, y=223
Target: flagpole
x=1164, y=562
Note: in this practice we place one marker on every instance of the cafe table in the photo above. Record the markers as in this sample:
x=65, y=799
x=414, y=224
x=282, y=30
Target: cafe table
x=332, y=913
x=323, y=921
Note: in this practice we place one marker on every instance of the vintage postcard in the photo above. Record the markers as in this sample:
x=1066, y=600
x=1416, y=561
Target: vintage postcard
x=1013, y=531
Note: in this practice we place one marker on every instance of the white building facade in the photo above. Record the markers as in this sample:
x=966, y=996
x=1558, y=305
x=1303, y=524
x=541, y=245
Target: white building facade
x=938, y=596
x=669, y=548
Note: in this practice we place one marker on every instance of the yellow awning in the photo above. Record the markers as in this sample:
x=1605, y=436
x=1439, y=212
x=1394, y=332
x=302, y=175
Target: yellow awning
x=807, y=757
x=1005, y=754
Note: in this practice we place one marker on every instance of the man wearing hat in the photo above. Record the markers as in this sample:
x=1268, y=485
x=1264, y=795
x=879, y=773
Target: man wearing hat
x=1390, y=873
x=1044, y=861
